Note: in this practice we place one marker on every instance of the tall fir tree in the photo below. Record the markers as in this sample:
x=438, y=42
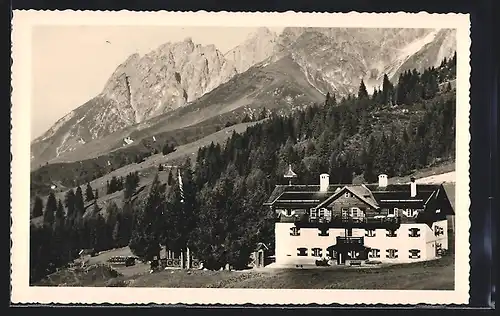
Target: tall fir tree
x=50, y=210
x=69, y=202
x=79, y=202
x=387, y=90
x=145, y=240
x=89, y=193
x=362, y=92
x=37, y=207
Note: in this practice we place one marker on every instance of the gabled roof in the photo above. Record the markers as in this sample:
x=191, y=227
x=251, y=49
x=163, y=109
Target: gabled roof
x=359, y=191
x=394, y=195
x=299, y=192
x=399, y=195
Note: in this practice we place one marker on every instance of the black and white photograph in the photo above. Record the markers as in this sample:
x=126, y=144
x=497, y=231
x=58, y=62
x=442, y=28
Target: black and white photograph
x=203, y=156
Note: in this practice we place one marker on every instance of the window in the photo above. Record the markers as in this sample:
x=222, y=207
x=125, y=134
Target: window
x=323, y=232
x=414, y=232
x=374, y=253
x=353, y=255
x=438, y=231
x=321, y=212
x=393, y=211
x=409, y=212
x=294, y=231
x=316, y=252
x=347, y=194
x=344, y=212
x=370, y=233
x=328, y=214
x=313, y=213
x=349, y=232
x=414, y=254
x=355, y=212
x=392, y=253
x=391, y=233
x=301, y=252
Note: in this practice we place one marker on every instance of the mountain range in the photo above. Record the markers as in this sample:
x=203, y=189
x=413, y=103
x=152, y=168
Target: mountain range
x=183, y=84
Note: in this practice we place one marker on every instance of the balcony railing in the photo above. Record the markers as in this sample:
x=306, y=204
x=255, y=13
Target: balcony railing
x=363, y=222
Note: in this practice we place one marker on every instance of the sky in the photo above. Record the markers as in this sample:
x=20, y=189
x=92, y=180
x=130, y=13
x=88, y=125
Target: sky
x=71, y=64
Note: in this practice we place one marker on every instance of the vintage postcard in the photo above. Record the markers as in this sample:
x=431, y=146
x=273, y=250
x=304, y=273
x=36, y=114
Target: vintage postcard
x=233, y=158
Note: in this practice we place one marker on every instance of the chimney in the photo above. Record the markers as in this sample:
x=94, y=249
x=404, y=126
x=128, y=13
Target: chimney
x=413, y=187
x=382, y=180
x=324, y=182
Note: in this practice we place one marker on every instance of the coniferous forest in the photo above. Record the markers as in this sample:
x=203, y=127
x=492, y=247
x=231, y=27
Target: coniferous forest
x=219, y=215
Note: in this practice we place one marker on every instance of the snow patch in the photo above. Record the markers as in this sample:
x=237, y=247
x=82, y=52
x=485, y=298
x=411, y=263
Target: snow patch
x=418, y=44
x=411, y=49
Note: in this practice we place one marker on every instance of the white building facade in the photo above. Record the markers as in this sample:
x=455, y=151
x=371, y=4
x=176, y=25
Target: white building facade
x=358, y=224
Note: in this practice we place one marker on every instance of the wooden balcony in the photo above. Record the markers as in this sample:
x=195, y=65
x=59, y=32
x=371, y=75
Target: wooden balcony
x=345, y=222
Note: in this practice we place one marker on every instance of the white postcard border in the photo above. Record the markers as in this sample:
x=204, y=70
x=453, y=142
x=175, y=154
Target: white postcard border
x=23, y=21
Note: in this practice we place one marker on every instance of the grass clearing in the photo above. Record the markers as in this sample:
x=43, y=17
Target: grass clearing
x=437, y=274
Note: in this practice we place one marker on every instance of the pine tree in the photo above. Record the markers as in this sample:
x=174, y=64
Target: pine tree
x=179, y=217
x=145, y=240
x=59, y=215
x=387, y=90
x=79, y=203
x=50, y=210
x=362, y=93
x=89, y=193
x=37, y=207
x=170, y=177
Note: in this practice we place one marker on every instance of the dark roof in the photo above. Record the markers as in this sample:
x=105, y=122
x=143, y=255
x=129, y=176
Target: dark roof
x=360, y=191
x=401, y=187
x=394, y=195
x=300, y=192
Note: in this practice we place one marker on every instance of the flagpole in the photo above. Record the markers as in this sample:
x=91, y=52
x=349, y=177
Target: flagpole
x=181, y=189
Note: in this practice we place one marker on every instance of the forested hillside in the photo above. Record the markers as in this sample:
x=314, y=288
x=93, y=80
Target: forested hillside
x=220, y=216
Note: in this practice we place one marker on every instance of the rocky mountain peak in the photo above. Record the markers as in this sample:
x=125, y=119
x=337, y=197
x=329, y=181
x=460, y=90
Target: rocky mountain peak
x=306, y=61
x=257, y=47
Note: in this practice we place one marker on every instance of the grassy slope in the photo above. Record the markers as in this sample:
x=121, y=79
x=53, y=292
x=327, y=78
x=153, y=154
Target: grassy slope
x=267, y=86
x=148, y=168
x=431, y=275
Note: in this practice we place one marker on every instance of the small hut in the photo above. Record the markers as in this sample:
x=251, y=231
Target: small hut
x=259, y=255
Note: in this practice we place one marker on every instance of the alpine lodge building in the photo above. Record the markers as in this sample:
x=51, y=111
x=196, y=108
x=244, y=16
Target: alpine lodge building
x=356, y=224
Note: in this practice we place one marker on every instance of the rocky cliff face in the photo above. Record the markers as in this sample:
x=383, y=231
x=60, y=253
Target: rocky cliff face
x=256, y=48
x=336, y=59
x=176, y=74
x=139, y=89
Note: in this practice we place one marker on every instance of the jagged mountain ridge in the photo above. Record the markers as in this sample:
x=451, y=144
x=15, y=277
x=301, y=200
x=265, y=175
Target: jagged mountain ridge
x=279, y=86
x=148, y=87
x=140, y=88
